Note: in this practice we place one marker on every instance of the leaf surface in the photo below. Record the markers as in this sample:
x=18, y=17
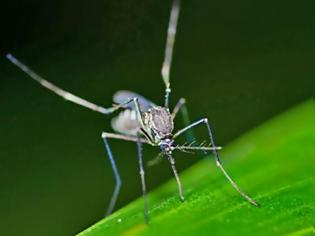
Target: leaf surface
x=274, y=163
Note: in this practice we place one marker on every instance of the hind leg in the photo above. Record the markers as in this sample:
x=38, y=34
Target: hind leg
x=182, y=108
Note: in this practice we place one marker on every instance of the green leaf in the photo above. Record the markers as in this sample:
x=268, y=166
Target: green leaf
x=273, y=163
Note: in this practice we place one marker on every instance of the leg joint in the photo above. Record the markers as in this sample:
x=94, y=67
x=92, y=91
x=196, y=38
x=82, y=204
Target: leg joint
x=218, y=162
x=182, y=100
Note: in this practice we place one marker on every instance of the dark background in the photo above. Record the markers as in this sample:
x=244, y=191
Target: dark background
x=237, y=63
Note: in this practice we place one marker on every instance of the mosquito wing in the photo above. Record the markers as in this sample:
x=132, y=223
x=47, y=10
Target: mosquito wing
x=124, y=96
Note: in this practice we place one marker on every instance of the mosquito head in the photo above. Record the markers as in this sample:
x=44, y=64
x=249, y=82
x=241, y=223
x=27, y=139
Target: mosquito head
x=167, y=145
x=159, y=123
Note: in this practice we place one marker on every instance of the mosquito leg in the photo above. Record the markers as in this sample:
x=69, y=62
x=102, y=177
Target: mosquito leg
x=180, y=189
x=67, y=95
x=219, y=164
x=142, y=175
x=57, y=90
x=179, y=132
x=124, y=137
x=181, y=102
x=117, y=177
x=171, y=33
x=216, y=156
x=181, y=106
x=136, y=139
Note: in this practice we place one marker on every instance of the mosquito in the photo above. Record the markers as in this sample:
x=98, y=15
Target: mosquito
x=143, y=122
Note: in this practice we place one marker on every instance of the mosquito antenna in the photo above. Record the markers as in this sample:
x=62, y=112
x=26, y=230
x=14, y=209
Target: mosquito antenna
x=191, y=143
x=184, y=150
x=181, y=148
x=171, y=33
x=202, y=144
x=66, y=95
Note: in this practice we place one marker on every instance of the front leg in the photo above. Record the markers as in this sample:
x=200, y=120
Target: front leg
x=216, y=156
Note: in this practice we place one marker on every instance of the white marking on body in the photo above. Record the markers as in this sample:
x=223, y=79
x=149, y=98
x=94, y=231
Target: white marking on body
x=126, y=122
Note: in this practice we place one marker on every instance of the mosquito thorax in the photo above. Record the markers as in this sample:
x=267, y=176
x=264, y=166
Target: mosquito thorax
x=159, y=123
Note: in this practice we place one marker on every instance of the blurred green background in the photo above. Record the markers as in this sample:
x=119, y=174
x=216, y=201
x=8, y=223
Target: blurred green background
x=237, y=63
